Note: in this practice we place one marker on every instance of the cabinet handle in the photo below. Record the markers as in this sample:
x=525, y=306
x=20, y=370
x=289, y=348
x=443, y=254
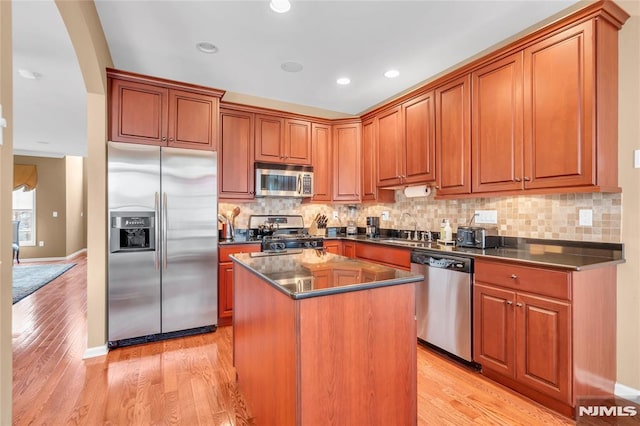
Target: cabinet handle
x=527, y=178
x=437, y=186
x=514, y=277
x=170, y=139
x=509, y=302
x=518, y=180
x=164, y=138
x=519, y=305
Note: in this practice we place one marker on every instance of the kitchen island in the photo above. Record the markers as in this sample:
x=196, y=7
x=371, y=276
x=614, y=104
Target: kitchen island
x=321, y=339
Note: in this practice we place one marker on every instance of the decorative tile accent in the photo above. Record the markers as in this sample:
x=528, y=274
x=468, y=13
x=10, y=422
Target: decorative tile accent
x=536, y=216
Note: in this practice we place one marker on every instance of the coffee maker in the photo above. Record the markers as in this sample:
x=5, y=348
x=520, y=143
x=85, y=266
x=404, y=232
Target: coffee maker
x=373, y=227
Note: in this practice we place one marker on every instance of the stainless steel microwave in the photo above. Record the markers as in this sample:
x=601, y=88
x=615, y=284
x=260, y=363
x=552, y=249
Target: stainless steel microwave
x=281, y=180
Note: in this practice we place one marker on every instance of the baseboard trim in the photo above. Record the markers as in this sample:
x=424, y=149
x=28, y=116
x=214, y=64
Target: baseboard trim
x=52, y=259
x=626, y=391
x=95, y=352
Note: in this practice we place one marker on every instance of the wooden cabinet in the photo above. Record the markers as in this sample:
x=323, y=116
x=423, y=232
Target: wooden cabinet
x=497, y=117
x=346, y=161
x=159, y=112
x=453, y=136
x=282, y=140
x=419, y=152
x=389, y=147
x=527, y=320
x=225, y=279
x=559, y=102
x=349, y=249
x=370, y=190
x=235, y=155
x=321, y=161
x=333, y=246
x=385, y=255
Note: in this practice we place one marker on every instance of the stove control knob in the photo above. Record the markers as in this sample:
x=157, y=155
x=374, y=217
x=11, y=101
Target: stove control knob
x=307, y=244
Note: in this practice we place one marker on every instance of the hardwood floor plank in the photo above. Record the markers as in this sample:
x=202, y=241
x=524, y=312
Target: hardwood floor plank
x=191, y=380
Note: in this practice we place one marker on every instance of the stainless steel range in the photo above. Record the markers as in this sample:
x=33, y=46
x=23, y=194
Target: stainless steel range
x=282, y=232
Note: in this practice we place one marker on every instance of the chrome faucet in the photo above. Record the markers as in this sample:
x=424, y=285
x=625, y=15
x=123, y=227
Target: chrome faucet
x=415, y=228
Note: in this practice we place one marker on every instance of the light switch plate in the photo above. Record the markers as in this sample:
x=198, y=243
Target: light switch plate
x=385, y=215
x=486, y=216
x=335, y=214
x=636, y=159
x=586, y=217
x=55, y=214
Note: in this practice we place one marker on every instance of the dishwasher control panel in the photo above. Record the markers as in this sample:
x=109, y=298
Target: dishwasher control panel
x=437, y=260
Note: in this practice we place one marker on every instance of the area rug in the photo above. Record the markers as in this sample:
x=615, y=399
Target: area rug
x=29, y=278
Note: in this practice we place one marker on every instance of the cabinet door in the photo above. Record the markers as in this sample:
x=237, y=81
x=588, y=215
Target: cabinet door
x=334, y=247
x=559, y=108
x=369, y=180
x=193, y=120
x=138, y=113
x=225, y=293
x=497, y=122
x=235, y=157
x=544, y=345
x=269, y=138
x=346, y=162
x=494, y=329
x=419, y=139
x=453, y=136
x=321, y=160
x=389, y=143
x=349, y=249
x=297, y=142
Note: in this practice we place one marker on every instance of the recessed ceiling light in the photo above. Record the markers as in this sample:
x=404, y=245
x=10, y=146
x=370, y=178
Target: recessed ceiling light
x=206, y=47
x=392, y=73
x=291, y=66
x=31, y=75
x=343, y=81
x=280, y=6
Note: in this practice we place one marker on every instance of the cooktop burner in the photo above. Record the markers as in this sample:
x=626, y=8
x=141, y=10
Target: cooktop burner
x=279, y=233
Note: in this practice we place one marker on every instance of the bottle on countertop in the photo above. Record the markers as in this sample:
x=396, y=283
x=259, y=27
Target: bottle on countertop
x=442, y=228
x=448, y=232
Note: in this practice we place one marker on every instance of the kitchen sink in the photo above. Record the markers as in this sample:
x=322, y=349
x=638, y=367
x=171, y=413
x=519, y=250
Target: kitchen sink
x=403, y=242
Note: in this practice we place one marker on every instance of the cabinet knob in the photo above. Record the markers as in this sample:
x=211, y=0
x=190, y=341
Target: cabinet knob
x=519, y=305
x=509, y=302
x=437, y=186
x=170, y=139
x=527, y=178
x=164, y=138
x=514, y=277
x=518, y=180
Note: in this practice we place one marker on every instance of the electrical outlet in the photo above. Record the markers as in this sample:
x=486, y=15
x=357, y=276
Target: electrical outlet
x=335, y=214
x=586, y=217
x=55, y=214
x=636, y=159
x=486, y=216
x=41, y=244
x=385, y=215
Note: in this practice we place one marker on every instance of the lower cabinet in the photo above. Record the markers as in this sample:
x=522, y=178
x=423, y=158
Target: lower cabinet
x=333, y=246
x=395, y=257
x=349, y=249
x=549, y=334
x=225, y=279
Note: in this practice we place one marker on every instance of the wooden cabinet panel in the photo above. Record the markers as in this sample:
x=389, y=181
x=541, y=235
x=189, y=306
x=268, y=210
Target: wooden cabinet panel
x=236, y=179
x=497, y=120
x=419, y=157
x=369, y=162
x=297, y=142
x=346, y=162
x=333, y=246
x=544, y=355
x=225, y=293
x=453, y=136
x=269, y=138
x=193, y=120
x=138, y=113
x=559, y=109
x=390, y=147
x=390, y=256
x=349, y=249
x=494, y=332
x=321, y=161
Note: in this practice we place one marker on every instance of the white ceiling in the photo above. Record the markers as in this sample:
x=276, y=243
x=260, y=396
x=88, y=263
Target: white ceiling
x=358, y=39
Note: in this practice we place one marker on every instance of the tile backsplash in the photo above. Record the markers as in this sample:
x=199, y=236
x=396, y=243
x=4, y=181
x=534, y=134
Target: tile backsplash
x=537, y=216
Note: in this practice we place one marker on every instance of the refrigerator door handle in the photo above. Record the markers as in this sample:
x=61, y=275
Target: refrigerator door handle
x=164, y=230
x=157, y=230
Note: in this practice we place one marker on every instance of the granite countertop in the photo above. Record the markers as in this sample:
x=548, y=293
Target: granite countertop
x=311, y=273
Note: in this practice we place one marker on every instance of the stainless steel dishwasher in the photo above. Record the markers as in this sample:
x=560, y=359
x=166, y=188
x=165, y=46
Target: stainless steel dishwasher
x=444, y=300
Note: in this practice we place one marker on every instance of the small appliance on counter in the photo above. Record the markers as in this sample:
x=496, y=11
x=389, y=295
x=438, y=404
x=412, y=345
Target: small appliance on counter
x=352, y=226
x=477, y=237
x=373, y=227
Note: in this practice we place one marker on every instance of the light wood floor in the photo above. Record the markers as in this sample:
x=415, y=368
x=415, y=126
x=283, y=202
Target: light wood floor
x=191, y=381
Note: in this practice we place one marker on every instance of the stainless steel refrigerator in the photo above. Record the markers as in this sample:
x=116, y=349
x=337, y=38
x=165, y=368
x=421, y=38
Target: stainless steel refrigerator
x=163, y=242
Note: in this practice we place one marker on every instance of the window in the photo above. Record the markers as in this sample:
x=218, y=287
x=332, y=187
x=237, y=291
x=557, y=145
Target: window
x=24, y=210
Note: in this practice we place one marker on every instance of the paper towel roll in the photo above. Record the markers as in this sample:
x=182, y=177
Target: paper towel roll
x=417, y=191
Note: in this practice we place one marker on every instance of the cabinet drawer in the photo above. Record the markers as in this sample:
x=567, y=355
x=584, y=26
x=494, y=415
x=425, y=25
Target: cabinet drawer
x=525, y=278
x=225, y=251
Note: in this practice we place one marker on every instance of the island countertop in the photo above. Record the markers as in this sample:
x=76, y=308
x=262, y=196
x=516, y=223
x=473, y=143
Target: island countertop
x=311, y=273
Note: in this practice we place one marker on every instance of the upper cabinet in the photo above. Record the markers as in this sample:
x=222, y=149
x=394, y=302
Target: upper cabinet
x=390, y=147
x=321, y=161
x=497, y=145
x=419, y=148
x=370, y=190
x=346, y=161
x=235, y=155
x=453, y=136
x=160, y=112
x=282, y=140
